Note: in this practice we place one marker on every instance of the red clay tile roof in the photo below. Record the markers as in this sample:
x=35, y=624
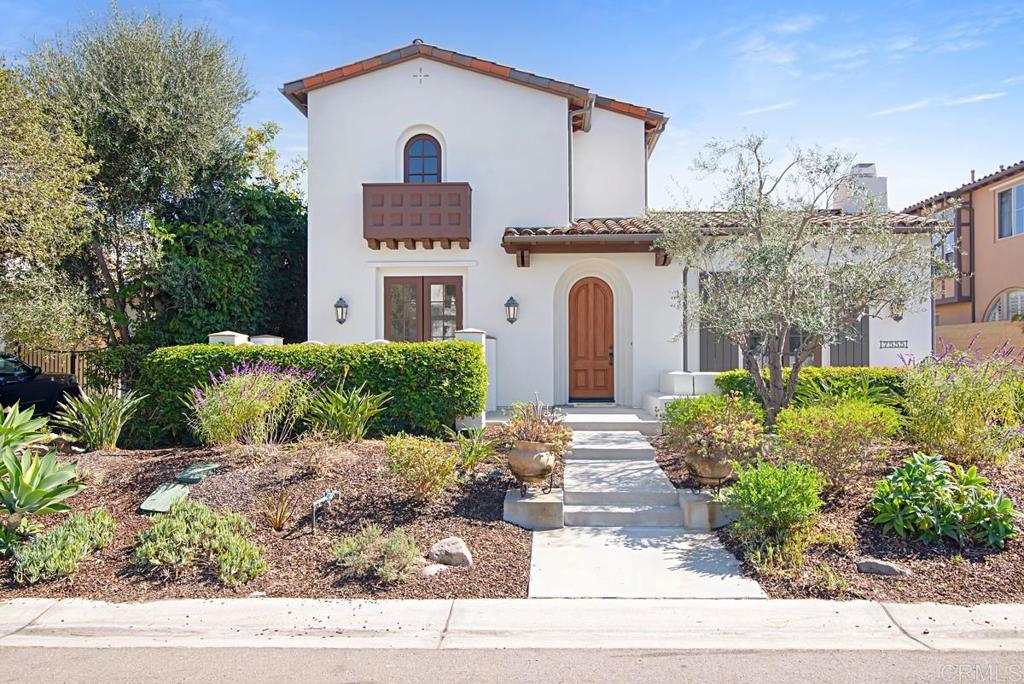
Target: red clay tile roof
x=1003, y=172
x=649, y=226
x=297, y=90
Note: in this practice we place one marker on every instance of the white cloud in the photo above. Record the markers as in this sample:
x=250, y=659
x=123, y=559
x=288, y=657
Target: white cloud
x=920, y=104
x=759, y=49
x=797, y=23
x=981, y=97
x=769, y=108
x=1013, y=79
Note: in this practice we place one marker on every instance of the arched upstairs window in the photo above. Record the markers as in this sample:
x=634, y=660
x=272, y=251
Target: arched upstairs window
x=422, y=160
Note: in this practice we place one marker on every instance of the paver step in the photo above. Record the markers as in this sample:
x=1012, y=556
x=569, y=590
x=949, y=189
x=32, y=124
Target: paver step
x=608, y=445
x=612, y=420
x=623, y=516
x=617, y=483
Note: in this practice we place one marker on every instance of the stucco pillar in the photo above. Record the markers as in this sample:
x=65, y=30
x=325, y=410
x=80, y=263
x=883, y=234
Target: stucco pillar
x=479, y=337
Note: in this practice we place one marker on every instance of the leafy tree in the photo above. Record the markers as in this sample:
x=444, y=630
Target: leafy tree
x=794, y=267
x=156, y=102
x=46, y=204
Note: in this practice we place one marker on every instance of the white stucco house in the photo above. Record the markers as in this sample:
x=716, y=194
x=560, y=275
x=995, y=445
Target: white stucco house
x=442, y=186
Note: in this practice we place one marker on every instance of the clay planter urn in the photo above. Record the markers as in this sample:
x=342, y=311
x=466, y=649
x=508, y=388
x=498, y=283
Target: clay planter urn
x=709, y=471
x=531, y=463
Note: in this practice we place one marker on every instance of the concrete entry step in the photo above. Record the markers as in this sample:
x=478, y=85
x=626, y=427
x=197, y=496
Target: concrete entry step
x=612, y=419
x=623, y=516
x=610, y=445
x=617, y=483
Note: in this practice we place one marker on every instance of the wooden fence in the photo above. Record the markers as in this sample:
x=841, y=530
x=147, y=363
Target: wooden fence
x=61, y=363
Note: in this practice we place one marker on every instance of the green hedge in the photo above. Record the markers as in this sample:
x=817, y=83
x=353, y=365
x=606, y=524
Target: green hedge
x=740, y=380
x=430, y=383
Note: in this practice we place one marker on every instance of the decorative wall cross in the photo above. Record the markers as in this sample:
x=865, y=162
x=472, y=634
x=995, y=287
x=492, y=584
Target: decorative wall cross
x=421, y=75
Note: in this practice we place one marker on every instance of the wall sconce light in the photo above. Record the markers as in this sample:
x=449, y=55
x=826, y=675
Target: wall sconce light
x=341, y=310
x=511, y=310
x=896, y=309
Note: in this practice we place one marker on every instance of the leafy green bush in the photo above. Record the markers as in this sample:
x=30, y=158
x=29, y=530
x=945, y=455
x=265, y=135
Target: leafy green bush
x=32, y=485
x=344, y=414
x=115, y=368
x=839, y=379
x=776, y=505
x=426, y=465
x=189, y=535
x=371, y=553
x=256, y=403
x=966, y=408
x=823, y=390
x=431, y=383
x=835, y=437
x=929, y=499
x=680, y=415
x=96, y=420
x=58, y=551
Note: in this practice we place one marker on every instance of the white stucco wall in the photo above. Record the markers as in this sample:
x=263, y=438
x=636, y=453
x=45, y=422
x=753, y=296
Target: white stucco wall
x=511, y=144
x=609, y=167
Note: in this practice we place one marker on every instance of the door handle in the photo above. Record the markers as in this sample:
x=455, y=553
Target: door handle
x=611, y=357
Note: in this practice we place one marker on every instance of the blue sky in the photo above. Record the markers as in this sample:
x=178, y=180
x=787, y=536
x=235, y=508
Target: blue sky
x=926, y=90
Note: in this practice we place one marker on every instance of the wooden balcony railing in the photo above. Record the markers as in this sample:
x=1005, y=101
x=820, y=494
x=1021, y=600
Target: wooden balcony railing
x=416, y=213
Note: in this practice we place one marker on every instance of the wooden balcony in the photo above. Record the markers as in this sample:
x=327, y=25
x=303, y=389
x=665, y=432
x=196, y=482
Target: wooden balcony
x=416, y=213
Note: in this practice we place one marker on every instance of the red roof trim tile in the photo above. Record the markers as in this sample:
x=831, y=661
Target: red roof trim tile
x=707, y=220
x=1004, y=172
x=297, y=90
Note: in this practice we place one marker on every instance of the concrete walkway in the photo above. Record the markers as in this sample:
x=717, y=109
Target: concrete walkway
x=624, y=534
x=637, y=562
x=693, y=625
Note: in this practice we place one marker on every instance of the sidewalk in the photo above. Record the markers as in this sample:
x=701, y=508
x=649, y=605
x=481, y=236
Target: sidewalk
x=679, y=624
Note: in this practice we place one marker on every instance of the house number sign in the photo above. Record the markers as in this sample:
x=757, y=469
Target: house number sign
x=893, y=344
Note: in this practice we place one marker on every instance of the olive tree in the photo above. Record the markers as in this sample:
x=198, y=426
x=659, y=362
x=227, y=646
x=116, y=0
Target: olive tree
x=47, y=203
x=777, y=262
x=155, y=101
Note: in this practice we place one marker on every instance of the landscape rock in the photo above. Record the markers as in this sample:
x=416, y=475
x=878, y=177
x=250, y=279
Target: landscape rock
x=451, y=551
x=432, y=569
x=874, y=566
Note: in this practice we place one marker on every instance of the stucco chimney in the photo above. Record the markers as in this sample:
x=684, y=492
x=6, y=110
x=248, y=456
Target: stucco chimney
x=850, y=196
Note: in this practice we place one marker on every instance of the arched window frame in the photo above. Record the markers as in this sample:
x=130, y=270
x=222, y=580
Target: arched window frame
x=413, y=176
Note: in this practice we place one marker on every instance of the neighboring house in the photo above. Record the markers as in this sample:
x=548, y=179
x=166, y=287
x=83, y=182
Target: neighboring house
x=442, y=186
x=986, y=248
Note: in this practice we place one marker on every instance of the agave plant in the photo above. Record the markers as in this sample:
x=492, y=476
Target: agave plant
x=96, y=420
x=19, y=430
x=33, y=485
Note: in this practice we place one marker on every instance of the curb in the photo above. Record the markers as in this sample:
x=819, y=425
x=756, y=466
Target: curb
x=678, y=624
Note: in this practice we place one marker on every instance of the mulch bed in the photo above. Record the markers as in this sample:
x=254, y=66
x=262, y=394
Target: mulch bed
x=943, y=573
x=301, y=563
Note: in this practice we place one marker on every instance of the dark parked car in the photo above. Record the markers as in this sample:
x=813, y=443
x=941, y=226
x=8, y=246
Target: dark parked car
x=29, y=386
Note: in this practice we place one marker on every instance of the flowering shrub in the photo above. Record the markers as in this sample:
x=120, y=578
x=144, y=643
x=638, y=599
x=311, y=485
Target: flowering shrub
x=966, y=408
x=680, y=415
x=929, y=499
x=256, y=403
x=835, y=437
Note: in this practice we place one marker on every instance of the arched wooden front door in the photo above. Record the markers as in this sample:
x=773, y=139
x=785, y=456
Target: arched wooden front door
x=591, y=341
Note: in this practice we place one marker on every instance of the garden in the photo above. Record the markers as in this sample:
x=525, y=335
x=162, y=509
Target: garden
x=873, y=483
x=300, y=470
